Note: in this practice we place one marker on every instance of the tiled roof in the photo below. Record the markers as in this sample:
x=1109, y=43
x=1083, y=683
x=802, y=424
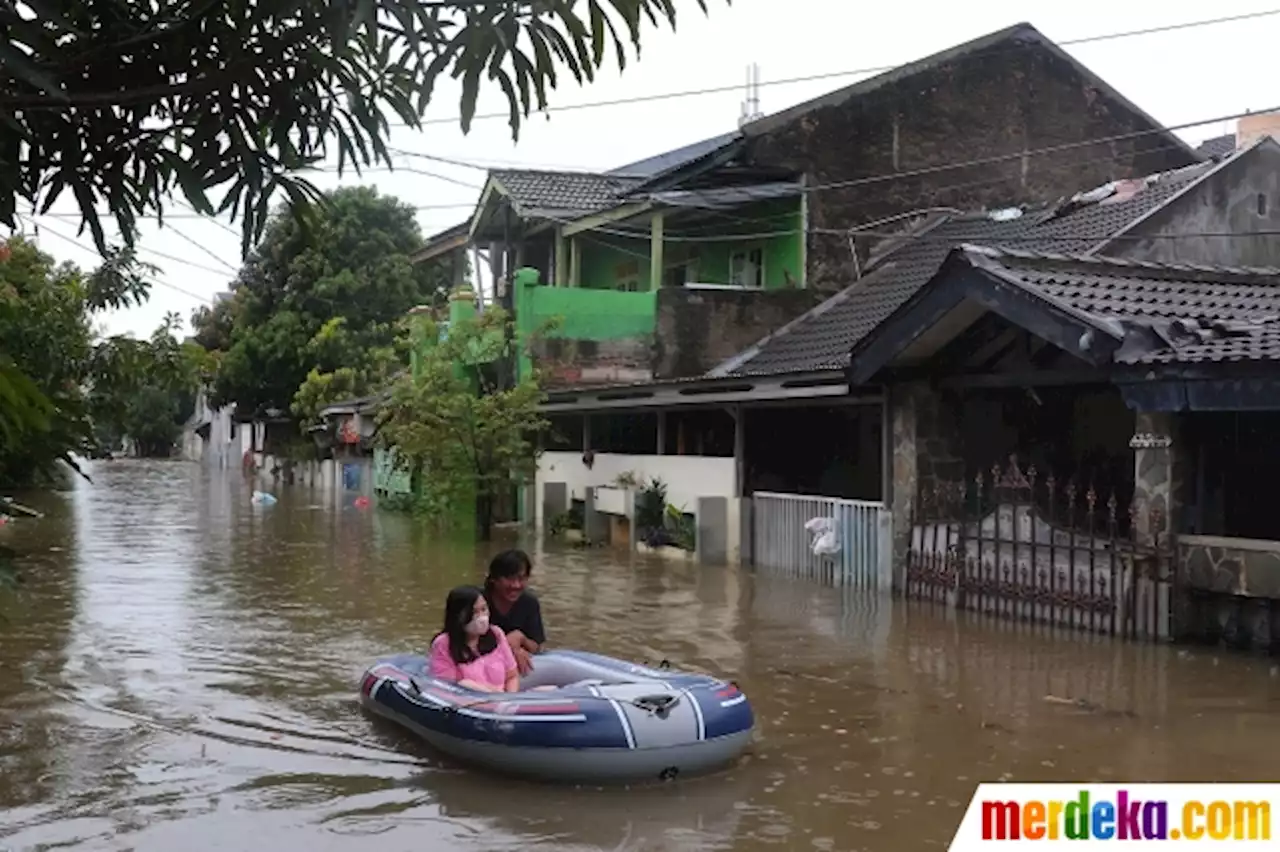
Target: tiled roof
x=1200, y=313
x=822, y=338
x=1218, y=146
x=558, y=193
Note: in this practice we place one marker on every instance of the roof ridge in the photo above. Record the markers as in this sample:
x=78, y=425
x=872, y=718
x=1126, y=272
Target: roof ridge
x=565, y=172
x=1143, y=267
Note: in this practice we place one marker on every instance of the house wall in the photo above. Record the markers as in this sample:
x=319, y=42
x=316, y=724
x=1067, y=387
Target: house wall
x=1240, y=197
x=220, y=450
x=698, y=328
x=687, y=478
x=610, y=261
x=1005, y=100
x=601, y=336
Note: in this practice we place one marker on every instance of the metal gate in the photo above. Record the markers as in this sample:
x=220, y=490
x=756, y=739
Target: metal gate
x=1012, y=545
x=862, y=530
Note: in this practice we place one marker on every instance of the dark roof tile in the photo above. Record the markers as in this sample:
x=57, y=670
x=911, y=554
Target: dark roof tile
x=1235, y=312
x=556, y=193
x=1218, y=146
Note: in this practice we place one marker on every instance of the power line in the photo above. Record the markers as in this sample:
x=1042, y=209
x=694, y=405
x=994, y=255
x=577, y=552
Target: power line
x=925, y=171
x=400, y=169
x=809, y=78
x=74, y=217
x=164, y=284
x=217, y=257
x=1048, y=149
x=152, y=251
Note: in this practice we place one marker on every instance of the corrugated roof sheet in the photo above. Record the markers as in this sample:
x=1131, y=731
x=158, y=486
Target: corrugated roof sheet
x=668, y=160
x=821, y=339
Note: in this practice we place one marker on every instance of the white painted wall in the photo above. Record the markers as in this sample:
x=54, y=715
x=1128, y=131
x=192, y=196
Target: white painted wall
x=220, y=450
x=687, y=478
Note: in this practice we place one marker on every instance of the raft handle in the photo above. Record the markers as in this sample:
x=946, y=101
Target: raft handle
x=659, y=705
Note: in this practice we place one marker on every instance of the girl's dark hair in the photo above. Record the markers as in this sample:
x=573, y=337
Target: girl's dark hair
x=459, y=609
x=508, y=563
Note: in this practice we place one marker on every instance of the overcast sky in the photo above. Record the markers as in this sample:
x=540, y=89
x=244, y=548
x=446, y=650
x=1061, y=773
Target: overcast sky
x=1179, y=77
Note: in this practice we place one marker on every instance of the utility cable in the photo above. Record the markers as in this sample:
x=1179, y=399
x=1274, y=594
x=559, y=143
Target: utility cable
x=166, y=285
x=809, y=78
x=928, y=170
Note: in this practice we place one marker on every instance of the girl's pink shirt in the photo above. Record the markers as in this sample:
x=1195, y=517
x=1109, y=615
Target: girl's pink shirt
x=490, y=669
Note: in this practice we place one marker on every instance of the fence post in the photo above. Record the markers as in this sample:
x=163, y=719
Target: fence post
x=888, y=572
x=555, y=500
x=712, y=541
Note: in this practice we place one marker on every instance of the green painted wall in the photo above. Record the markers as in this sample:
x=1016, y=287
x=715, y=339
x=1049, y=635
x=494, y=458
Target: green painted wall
x=583, y=313
x=612, y=262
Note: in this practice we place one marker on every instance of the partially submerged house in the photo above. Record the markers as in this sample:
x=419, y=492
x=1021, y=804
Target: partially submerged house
x=666, y=269
x=1102, y=428
x=1217, y=213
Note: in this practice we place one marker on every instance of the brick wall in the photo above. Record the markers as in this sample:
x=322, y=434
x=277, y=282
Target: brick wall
x=697, y=329
x=1013, y=97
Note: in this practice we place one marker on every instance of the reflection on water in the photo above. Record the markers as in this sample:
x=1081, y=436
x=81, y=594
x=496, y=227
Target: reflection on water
x=179, y=673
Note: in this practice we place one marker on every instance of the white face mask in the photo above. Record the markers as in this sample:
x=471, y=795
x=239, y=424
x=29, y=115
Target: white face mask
x=478, y=626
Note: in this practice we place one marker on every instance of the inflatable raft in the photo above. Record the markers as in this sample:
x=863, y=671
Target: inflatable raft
x=609, y=720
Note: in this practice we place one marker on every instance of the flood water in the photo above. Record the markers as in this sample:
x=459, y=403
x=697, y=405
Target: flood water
x=180, y=670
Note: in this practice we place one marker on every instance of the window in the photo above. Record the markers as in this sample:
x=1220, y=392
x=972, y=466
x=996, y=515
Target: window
x=626, y=276
x=746, y=268
x=680, y=274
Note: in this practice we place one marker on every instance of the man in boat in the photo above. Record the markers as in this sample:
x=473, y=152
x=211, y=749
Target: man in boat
x=513, y=608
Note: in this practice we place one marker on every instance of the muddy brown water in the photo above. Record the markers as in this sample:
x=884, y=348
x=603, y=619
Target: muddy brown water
x=179, y=672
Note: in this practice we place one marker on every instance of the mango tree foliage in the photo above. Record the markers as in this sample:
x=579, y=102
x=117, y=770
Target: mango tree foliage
x=49, y=356
x=120, y=102
x=319, y=306
x=151, y=390
x=463, y=435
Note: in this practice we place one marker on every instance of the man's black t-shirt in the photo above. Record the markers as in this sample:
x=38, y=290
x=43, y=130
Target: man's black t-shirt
x=525, y=615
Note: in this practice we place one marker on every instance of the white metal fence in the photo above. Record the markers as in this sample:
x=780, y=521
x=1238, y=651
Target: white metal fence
x=862, y=547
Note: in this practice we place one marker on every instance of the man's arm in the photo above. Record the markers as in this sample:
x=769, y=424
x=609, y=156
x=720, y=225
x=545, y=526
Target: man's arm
x=536, y=632
x=521, y=648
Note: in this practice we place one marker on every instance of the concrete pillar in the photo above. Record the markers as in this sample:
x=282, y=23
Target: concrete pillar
x=712, y=544
x=746, y=531
x=555, y=500
x=561, y=261
x=1158, y=471
x=1156, y=475
x=904, y=477
x=739, y=415
x=656, y=227
x=575, y=262
x=595, y=525
x=529, y=502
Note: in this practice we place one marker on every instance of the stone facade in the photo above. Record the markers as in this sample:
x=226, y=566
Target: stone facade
x=926, y=454
x=1231, y=591
x=1157, y=474
x=1227, y=566
x=1012, y=97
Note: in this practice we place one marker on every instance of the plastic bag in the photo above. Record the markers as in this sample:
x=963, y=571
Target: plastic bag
x=826, y=545
x=823, y=530
x=818, y=526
